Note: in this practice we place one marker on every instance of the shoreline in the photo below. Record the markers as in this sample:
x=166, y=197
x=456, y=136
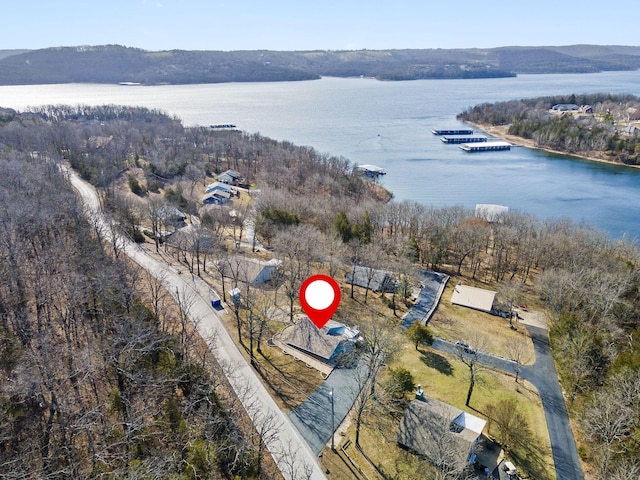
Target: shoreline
x=501, y=132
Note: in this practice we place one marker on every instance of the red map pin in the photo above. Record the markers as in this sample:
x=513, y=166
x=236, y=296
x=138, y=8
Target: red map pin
x=319, y=297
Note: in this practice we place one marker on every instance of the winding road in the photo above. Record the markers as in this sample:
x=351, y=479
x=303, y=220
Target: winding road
x=289, y=450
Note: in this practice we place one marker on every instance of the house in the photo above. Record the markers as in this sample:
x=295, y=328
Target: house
x=190, y=238
x=219, y=186
x=216, y=197
x=171, y=216
x=328, y=344
x=230, y=177
x=473, y=297
x=441, y=432
x=565, y=107
x=376, y=280
x=249, y=270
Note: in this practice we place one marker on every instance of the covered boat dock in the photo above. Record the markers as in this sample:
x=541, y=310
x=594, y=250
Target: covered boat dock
x=463, y=139
x=485, y=146
x=453, y=131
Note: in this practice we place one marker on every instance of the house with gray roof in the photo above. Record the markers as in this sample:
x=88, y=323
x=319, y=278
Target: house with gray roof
x=441, y=433
x=368, y=277
x=230, y=177
x=328, y=344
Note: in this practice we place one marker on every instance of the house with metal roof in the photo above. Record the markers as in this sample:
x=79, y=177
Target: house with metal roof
x=473, y=297
x=216, y=197
x=491, y=213
x=230, y=177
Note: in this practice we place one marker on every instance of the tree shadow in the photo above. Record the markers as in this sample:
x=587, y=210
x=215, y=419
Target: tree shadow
x=437, y=361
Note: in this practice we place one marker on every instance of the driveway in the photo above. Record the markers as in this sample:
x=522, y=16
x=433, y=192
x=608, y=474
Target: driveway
x=542, y=374
x=313, y=417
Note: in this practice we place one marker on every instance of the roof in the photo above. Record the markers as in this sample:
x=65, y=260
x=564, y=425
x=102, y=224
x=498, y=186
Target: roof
x=249, y=270
x=219, y=186
x=326, y=343
x=370, y=168
x=491, y=212
x=230, y=176
x=216, y=196
x=473, y=297
x=439, y=431
x=377, y=280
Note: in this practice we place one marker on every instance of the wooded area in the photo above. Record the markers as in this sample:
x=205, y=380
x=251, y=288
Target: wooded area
x=98, y=373
x=607, y=126
x=115, y=63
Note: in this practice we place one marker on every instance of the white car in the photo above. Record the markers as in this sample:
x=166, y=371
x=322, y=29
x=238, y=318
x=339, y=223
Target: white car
x=465, y=347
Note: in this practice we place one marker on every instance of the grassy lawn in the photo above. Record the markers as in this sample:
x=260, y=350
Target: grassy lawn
x=444, y=377
x=453, y=322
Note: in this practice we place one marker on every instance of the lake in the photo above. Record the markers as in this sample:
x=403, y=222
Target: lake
x=389, y=124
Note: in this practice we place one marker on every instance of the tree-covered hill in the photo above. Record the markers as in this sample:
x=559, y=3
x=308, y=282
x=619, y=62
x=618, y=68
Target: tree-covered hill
x=598, y=125
x=114, y=63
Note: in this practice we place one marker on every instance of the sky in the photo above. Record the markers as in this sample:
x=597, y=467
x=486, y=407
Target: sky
x=316, y=25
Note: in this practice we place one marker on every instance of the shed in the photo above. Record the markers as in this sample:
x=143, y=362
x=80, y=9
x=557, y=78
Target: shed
x=473, y=297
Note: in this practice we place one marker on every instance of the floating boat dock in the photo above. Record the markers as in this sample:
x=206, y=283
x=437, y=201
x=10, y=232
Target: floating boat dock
x=463, y=131
x=463, y=139
x=370, y=170
x=485, y=146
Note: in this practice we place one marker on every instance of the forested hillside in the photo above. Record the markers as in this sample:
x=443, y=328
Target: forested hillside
x=597, y=125
x=96, y=379
x=114, y=64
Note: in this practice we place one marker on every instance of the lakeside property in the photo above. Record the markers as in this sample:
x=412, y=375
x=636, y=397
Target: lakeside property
x=501, y=131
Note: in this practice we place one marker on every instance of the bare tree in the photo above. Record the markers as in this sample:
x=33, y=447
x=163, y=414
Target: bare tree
x=519, y=352
x=470, y=358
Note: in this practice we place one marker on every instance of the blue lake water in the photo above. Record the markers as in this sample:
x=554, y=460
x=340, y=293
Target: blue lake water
x=389, y=124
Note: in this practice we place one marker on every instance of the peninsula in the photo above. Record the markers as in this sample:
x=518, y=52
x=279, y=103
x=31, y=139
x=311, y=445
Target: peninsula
x=600, y=127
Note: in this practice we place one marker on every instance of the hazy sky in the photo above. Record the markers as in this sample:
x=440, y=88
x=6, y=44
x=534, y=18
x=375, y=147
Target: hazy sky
x=318, y=24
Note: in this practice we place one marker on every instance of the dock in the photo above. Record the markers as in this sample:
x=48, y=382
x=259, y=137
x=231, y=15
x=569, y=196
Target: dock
x=485, y=146
x=463, y=139
x=463, y=131
x=369, y=170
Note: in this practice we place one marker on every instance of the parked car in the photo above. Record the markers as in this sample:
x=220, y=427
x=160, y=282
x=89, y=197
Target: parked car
x=465, y=347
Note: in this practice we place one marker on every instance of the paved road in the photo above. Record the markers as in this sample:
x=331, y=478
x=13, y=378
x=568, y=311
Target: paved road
x=542, y=374
x=291, y=453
